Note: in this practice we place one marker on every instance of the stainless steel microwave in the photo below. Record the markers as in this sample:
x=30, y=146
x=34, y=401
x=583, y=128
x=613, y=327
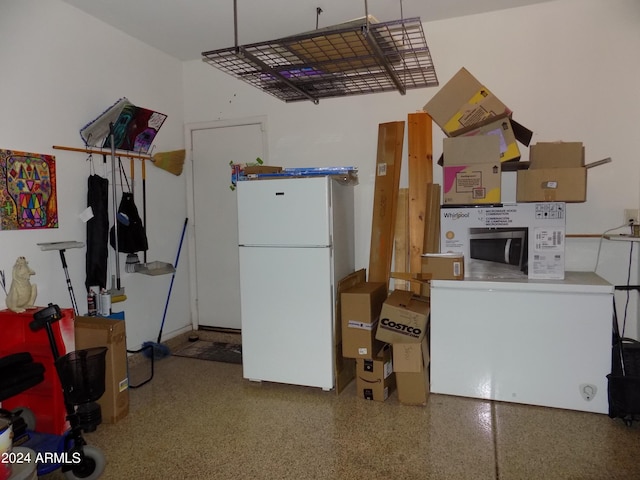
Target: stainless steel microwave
x=502, y=245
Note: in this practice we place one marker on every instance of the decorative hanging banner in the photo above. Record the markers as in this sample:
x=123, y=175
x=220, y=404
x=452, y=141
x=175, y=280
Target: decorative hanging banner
x=28, y=196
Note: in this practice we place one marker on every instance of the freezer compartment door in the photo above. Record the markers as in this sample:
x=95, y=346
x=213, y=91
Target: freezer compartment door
x=287, y=315
x=289, y=212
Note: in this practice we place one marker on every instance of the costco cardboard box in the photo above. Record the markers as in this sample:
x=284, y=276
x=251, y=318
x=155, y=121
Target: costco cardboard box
x=556, y=174
x=463, y=102
x=110, y=333
x=517, y=240
x=375, y=379
x=411, y=364
x=403, y=318
x=471, y=171
x=361, y=307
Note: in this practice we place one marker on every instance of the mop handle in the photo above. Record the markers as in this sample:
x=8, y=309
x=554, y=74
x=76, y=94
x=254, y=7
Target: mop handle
x=173, y=276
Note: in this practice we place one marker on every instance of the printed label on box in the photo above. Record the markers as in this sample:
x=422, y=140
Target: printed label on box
x=361, y=325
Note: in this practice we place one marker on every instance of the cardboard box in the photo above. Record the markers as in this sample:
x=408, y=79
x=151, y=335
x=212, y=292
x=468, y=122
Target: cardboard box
x=502, y=129
x=110, y=333
x=471, y=170
x=375, y=379
x=463, y=102
x=403, y=318
x=411, y=364
x=556, y=155
x=443, y=266
x=517, y=240
x=556, y=174
x=410, y=357
x=552, y=185
x=361, y=307
x=440, y=266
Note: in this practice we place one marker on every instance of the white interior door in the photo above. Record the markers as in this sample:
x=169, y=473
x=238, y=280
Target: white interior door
x=215, y=278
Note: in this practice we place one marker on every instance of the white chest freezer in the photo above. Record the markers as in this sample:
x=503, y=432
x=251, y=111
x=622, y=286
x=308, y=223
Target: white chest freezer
x=544, y=342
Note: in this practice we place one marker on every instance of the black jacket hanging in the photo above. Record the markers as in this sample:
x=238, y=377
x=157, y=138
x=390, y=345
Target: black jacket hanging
x=97, y=232
x=132, y=237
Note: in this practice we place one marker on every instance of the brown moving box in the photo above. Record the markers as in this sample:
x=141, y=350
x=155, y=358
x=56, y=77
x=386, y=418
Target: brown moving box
x=502, y=129
x=556, y=174
x=552, y=185
x=411, y=364
x=110, y=333
x=361, y=307
x=403, y=318
x=472, y=170
x=441, y=266
x=375, y=379
x=462, y=103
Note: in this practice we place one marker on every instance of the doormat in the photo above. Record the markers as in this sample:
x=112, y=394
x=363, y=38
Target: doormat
x=213, y=351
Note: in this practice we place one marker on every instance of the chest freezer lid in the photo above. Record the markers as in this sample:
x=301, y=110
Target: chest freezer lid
x=574, y=282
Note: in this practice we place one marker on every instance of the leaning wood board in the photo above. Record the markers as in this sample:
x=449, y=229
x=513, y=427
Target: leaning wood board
x=420, y=151
x=401, y=241
x=385, y=195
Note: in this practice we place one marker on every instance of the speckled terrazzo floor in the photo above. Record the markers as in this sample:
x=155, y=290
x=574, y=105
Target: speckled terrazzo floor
x=201, y=420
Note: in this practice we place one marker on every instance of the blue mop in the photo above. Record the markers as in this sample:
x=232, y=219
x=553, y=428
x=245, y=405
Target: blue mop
x=157, y=349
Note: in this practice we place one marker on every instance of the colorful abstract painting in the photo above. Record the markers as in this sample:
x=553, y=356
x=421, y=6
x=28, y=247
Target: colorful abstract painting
x=28, y=197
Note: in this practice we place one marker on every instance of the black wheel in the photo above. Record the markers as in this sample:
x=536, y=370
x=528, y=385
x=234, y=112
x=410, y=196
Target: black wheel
x=28, y=416
x=91, y=468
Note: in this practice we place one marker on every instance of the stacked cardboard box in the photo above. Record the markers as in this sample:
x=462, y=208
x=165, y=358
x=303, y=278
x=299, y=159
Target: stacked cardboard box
x=404, y=321
x=411, y=364
x=360, y=311
x=556, y=173
x=481, y=135
x=375, y=379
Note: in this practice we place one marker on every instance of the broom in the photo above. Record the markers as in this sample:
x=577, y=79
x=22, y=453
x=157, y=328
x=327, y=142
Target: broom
x=172, y=161
x=156, y=349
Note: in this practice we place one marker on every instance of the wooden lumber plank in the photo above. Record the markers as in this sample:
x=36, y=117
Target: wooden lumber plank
x=387, y=183
x=420, y=155
x=401, y=242
x=432, y=226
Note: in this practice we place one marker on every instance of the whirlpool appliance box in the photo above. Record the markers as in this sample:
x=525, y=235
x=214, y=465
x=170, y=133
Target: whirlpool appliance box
x=105, y=332
x=403, y=318
x=516, y=240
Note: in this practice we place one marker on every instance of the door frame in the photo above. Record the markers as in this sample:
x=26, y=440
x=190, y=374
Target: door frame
x=189, y=128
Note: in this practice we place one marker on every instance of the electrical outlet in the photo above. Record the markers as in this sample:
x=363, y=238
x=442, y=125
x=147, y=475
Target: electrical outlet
x=632, y=215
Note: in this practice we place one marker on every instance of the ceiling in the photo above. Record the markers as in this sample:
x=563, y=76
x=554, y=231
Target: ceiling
x=186, y=28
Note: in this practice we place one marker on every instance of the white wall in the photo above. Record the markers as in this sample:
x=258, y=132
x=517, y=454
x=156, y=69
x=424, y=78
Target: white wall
x=568, y=69
x=61, y=69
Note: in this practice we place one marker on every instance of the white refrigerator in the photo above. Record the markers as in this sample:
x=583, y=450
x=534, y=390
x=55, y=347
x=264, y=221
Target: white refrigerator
x=296, y=241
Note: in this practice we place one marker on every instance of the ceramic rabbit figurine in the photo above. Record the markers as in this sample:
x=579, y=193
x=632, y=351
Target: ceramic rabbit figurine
x=22, y=295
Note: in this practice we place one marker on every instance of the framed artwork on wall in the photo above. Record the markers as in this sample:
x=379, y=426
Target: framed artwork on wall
x=28, y=196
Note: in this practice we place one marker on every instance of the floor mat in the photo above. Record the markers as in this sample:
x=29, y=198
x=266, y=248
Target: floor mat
x=213, y=351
